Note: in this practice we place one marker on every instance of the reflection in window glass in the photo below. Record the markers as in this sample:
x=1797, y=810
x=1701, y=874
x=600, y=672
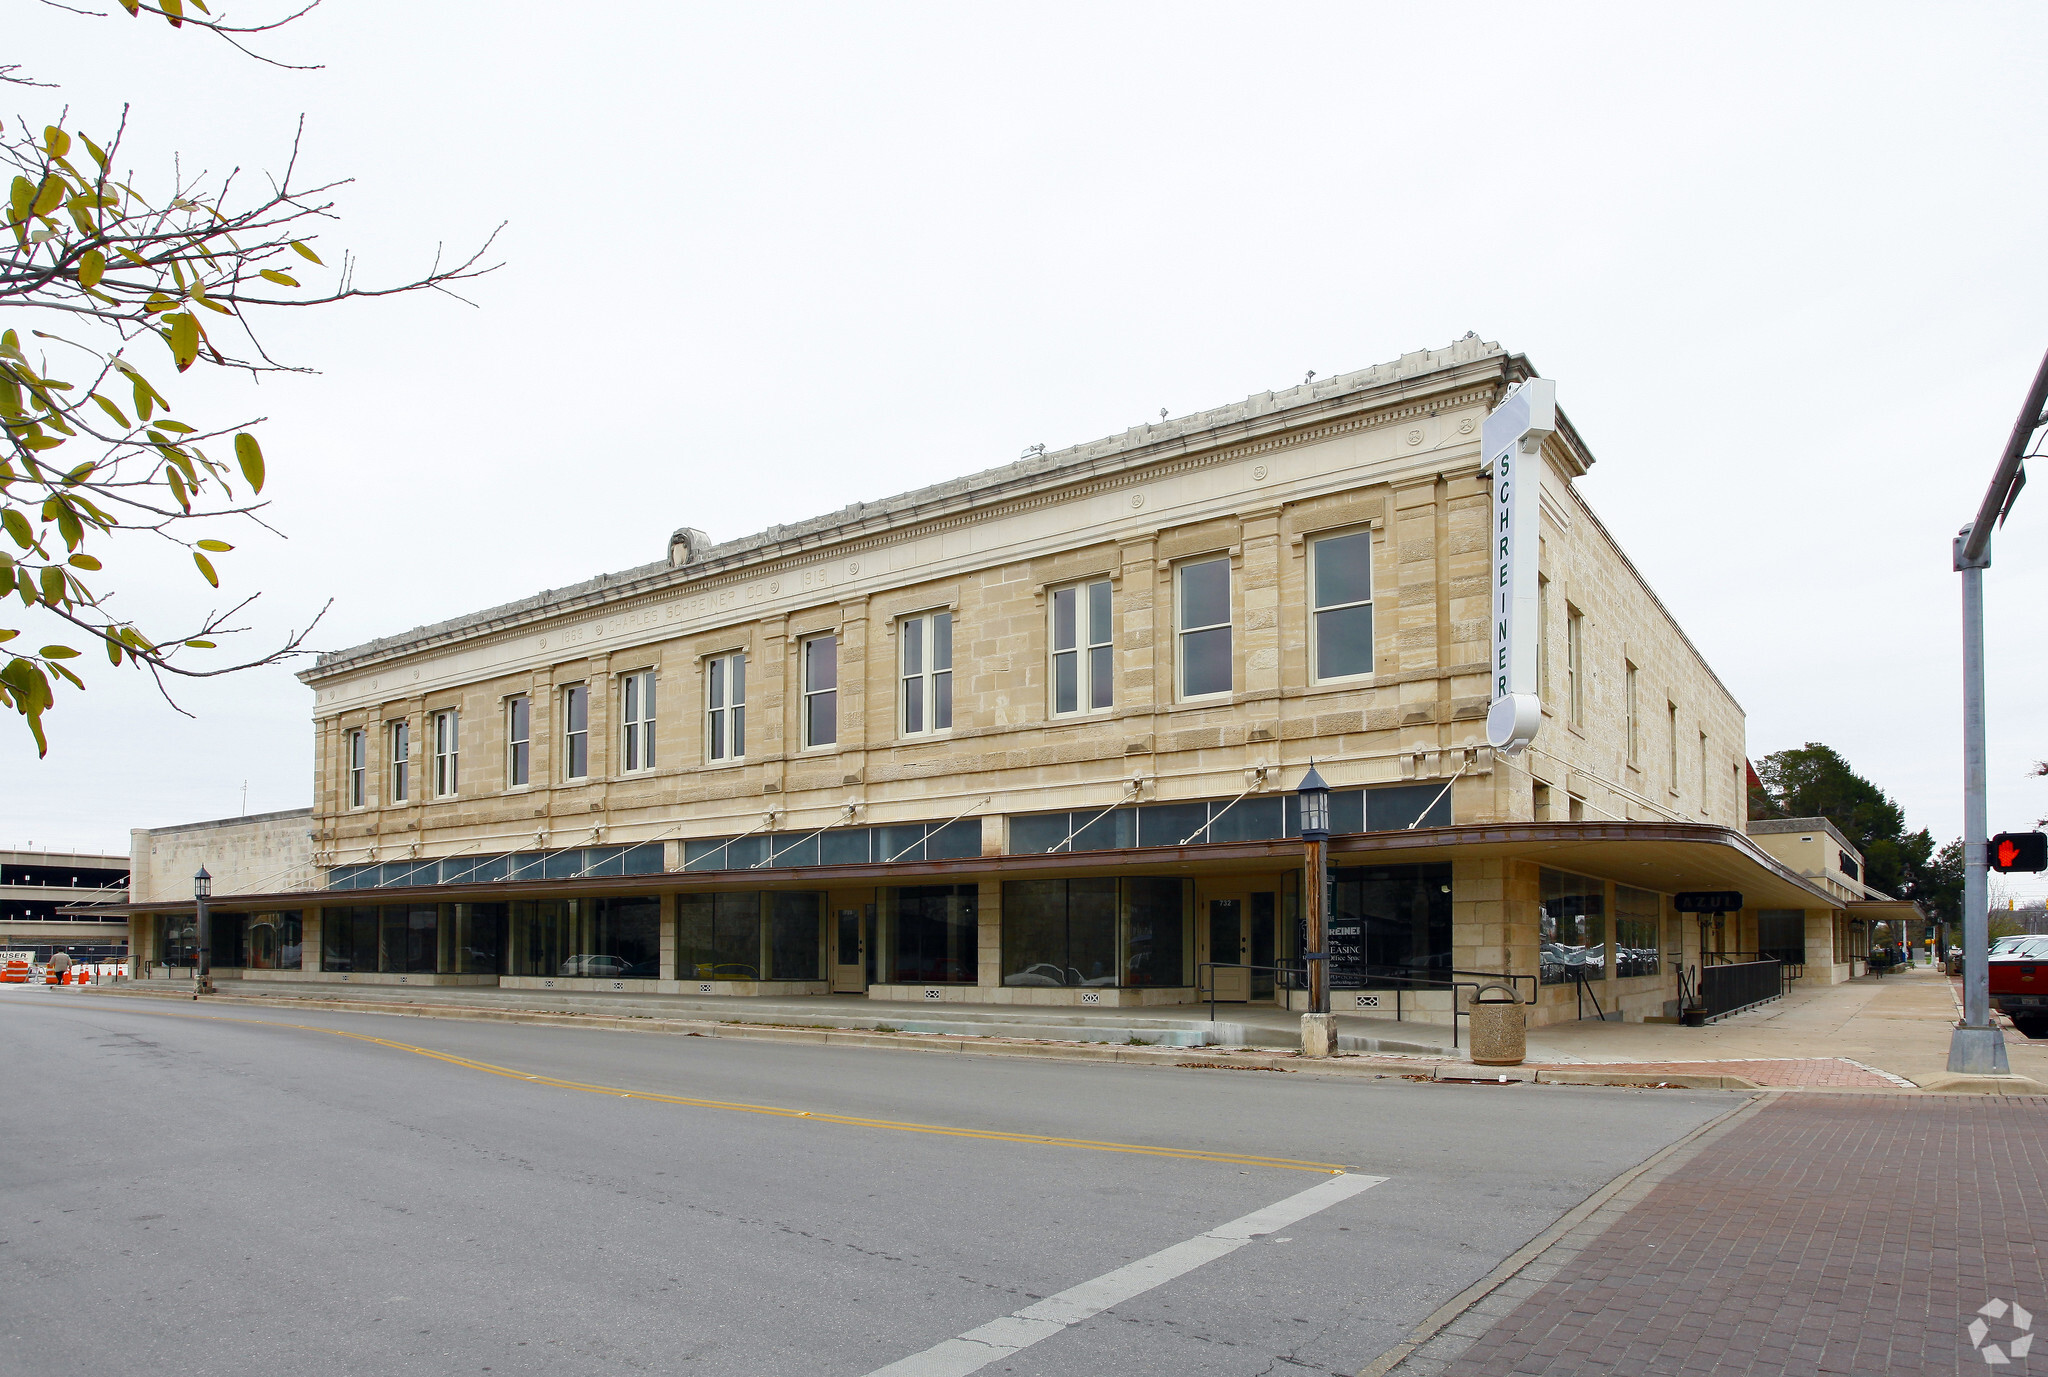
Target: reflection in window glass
x=1388, y=924
x=1083, y=678
x=1204, y=628
x=930, y=935
x=1574, y=930
x=518, y=740
x=1638, y=917
x=795, y=935
x=821, y=691
x=1158, y=927
x=725, y=707
x=576, y=731
x=274, y=942
x=1059, y=932
x=591, y=938
x=348, y=939
x=926, y=648
x=718, y=936
x=1342, y=580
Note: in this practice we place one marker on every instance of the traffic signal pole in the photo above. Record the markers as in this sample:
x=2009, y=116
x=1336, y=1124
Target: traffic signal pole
x=1976, y=1046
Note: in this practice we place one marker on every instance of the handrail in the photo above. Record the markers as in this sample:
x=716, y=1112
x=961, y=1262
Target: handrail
x=1213, y=966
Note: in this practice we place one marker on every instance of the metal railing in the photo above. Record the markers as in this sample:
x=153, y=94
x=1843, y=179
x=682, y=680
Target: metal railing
x=1399, y=981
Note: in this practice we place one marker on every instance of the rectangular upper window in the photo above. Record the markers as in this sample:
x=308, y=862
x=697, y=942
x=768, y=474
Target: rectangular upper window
x=925, y=652
x=447, y=748
x=358, y=750
x=1202, y=610
x=576, y=731
x=1575, y=665
x=725, y=707
x=1083, y=662
x=518, y=740
x=401, y=760
x=1635, y=721
x=1340, y=586
x=636, y=721
x=821, y=691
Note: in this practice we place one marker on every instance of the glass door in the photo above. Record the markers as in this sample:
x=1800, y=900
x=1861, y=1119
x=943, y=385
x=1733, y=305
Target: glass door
x=853, y=920
x=1226, y=934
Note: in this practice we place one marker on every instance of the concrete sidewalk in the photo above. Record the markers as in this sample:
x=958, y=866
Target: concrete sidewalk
x=1896, y=1025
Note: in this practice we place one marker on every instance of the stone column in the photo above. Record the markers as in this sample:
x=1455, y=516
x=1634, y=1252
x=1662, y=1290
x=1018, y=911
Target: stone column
x=988, y=915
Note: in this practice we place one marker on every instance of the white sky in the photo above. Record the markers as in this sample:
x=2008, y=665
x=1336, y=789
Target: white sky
x=764, y=260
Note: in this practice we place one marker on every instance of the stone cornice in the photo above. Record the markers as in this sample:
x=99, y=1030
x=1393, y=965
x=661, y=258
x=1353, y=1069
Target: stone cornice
x=1384, y=397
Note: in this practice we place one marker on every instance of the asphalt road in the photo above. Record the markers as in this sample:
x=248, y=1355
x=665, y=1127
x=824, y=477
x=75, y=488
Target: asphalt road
x=208, y=1190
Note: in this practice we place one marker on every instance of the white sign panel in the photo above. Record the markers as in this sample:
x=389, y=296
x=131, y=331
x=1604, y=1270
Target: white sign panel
x=1511, y=446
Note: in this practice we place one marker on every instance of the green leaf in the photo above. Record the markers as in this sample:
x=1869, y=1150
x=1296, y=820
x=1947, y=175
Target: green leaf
x=173, y=12
x=21, y=200
x=92, y=265
x=219, y=547
x=7, y=635
x=206, y=568
x=55, y=141
x=49, y=195
x=99, y=155
x=250, y=455
x=175, y=427
x=275, y=276
x=58, y=652
x=83, y=562
x=183, y=337
x=306, y=253
x=17, y=526
x=113, y=651
x=120, y=418
x=201, y=645
x=53, y=586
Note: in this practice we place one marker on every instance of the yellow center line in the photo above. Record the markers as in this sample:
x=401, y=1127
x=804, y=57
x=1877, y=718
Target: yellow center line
x=1239, y=1159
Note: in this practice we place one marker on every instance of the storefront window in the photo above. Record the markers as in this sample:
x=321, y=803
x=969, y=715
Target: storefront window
x=930, y=935
x=272, y=941
x=1638, y=914
x=718, y=936
x=1158, y=933
x=602, y=938
x=474, y=935
x=178, y=939
x=348, y=939
x=1574, y=928
x=1389, y=923
x=411, y=938
x=1059, y=932
x=1781, y=935
x=796, y=935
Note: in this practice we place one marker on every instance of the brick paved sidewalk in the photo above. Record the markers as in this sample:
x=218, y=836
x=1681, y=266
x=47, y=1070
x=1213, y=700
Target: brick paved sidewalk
x=1824, y=1234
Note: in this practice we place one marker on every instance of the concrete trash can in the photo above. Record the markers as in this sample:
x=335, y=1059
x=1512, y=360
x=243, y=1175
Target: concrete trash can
x=1499, y=1027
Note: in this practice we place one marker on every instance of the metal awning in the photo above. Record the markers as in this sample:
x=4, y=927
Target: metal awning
x=1664, y=856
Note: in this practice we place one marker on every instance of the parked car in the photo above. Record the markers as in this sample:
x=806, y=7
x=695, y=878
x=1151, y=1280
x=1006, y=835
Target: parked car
x=601, y=967
x=2019, y=982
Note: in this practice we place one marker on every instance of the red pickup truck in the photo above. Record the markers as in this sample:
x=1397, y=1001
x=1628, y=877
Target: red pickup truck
x=2019, y=982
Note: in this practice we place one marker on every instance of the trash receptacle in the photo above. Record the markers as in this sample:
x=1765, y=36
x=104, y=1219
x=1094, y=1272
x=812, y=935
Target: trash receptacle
x=1499, y=1029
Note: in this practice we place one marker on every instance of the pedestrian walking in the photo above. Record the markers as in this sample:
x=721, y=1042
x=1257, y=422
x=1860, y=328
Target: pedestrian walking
x=60, y=966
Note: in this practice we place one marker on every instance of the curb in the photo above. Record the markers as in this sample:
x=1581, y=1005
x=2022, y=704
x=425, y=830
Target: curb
x=1439, y=1341
x=1346, y=1065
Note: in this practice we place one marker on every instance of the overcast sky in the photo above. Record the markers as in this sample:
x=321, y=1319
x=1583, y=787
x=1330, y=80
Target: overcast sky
x=761, y=261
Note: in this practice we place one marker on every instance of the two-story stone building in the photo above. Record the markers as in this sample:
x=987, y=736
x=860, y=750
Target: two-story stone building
x=1031, y=736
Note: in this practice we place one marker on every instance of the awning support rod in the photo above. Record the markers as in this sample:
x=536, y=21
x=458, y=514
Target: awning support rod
x=1067, y=842
x=940, y=828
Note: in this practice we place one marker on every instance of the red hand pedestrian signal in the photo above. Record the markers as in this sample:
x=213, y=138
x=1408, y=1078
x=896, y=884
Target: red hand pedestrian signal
x=2019, y=851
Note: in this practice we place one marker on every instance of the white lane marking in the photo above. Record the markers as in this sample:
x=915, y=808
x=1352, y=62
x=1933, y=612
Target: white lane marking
x=977, y=1348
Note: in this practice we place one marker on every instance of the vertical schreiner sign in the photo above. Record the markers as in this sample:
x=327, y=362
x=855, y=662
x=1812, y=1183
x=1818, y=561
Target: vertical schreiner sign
x=1511, y=448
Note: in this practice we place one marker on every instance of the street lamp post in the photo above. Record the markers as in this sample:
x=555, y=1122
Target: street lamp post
x=1318, y=1031
x=202, y=964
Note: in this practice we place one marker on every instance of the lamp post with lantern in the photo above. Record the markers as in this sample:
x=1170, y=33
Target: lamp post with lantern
x=1318, y=1030
x=202, y=961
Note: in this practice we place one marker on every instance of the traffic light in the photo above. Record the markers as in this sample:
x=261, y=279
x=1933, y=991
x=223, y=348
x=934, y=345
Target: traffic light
x=2019, y=851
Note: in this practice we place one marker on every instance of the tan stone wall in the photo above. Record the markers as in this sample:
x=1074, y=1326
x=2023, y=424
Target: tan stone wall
x=261, y=854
